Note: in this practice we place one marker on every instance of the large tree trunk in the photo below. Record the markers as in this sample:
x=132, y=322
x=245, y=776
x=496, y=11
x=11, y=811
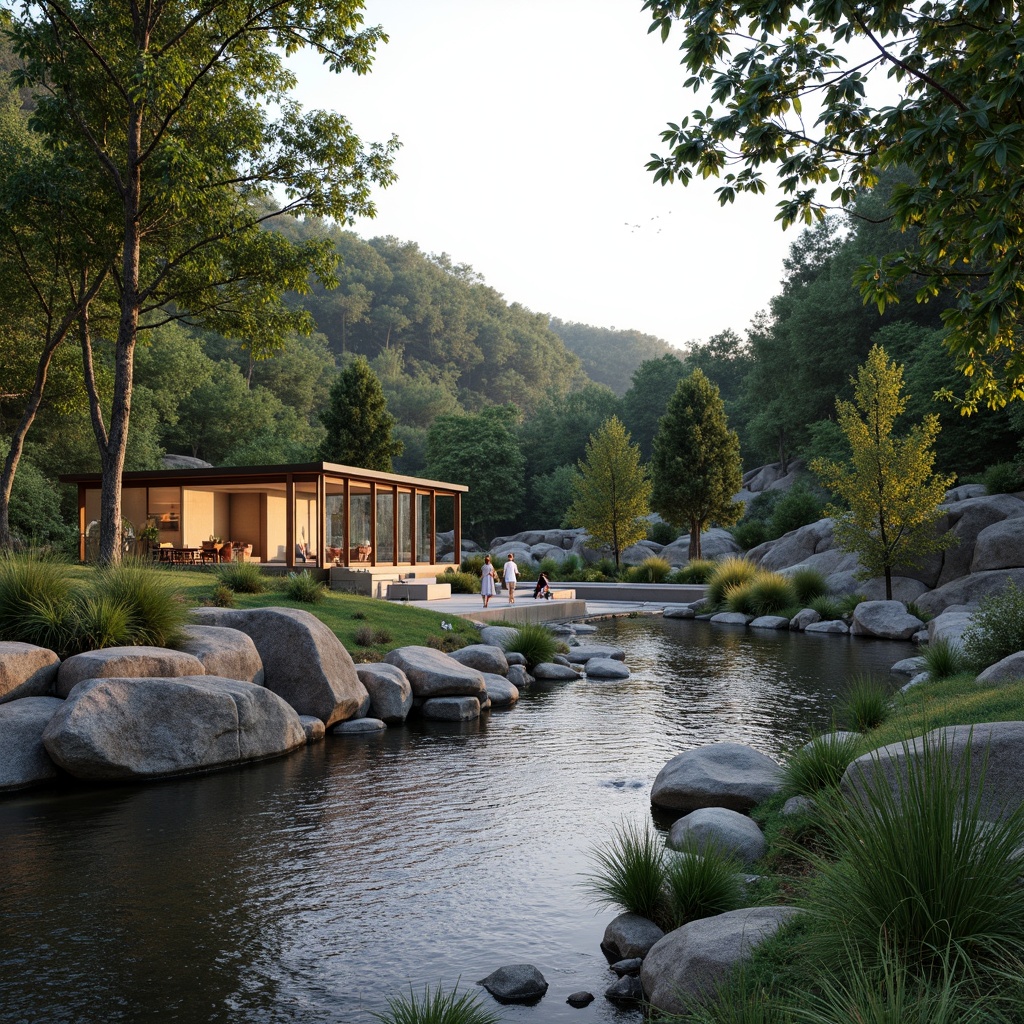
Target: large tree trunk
x=695, y=525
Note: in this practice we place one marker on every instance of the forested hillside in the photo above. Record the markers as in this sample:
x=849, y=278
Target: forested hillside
x=608, y=356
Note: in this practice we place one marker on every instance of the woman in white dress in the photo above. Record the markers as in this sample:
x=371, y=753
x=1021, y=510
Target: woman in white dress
x=487, y=578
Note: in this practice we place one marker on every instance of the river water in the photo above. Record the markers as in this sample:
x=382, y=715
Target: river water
x=313, y=887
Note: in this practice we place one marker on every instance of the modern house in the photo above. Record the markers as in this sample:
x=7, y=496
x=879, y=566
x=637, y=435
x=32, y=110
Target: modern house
x=312, y=514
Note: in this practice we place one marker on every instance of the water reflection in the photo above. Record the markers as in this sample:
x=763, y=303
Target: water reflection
x=312, y=887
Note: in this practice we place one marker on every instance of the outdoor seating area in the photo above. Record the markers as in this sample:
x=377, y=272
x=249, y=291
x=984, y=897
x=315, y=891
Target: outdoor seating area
x=318, y=514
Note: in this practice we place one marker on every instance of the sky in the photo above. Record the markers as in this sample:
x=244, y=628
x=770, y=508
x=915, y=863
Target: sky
x=525, y=126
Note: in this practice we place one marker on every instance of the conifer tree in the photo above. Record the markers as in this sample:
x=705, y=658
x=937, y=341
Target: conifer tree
x=892, y=494
x=357, y=421
x=696, y=462
x=612, y=493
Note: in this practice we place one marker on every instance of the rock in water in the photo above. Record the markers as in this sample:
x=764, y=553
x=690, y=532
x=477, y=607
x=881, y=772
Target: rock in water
x=517, y=983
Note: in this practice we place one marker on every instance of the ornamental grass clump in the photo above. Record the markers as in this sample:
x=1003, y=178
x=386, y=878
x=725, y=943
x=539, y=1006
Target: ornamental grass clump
x=35, y=599
x=654, y=569
x=728, y=573
x=917, y=864
x=943, y=658
x=866, y=704
x=437, y=1007
x=536, y=643
x=771, y=593
x=301, y=586
x=699, y=882
x=697, y=571
x=629, y=871
x=808, y=584
x=156, y=614
x=827, y=607
x=740, y=598
x=242, y=577
x=820, y=764
x=997, y=628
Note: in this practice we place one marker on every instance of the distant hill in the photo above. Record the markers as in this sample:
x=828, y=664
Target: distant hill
x=608, y=356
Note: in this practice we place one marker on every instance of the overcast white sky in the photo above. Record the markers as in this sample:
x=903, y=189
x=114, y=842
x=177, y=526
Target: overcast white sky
x=525, y=126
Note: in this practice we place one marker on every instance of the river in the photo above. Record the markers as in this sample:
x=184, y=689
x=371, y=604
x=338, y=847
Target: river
x=313, y=887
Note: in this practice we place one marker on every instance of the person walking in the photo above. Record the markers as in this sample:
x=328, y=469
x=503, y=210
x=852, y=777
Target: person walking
x=488, y=576
x=509, y=575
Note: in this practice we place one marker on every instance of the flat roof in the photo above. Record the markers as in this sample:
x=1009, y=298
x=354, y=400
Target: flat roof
x=259, y=474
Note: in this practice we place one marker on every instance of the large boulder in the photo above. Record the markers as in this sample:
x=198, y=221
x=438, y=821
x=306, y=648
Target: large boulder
x=450, y=709
x=432, y=673
x=715, y=543
x=904, y=588
x=728, y=775
x=889, y=620
x=303, y=661
x=585, y=652
x=144, y=728
x=224, y=652
x=795, y=547
x=552, y=672
x=628, y=936
x=1000, y=546
x=26, y=671
x=23, y=759
x=125, y=662
x=483, y=657
x=969, y=590
x=389, y=689
x=1007, y=670
x=606, y=668
x=729, y=832
x=500, y=691
x=498, y=636
x=688, y=964
x=966, y=520
x=516, y=983
x=950, y=625
x=995, y=749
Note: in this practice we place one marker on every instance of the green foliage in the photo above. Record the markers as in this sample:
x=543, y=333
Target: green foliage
x=997, y=628
x=610, y=496
x=797, y=507
x=848, y=602
x=740, y=598
x=629, y=871
x=748, y=533
x=551, y=494
x=827, y=607
x=242, y=577
x=809, y=584
x=437, y=1007
x=944, y=658
x=696, y=461
x=771, y=593
x=374, y=636
x=651, y=570
x=301, y=586
x=150, y=598
x=866, y=703
x=893, y=495
x=95, y=621
x=819, y=764
x=222, y=597
x=1004, y=478
x=727, y=573
x=550, y=566
x=697, y=571
x=534, y=641
x=34, y=593
x=700, y=881
x=957, y=203
x=919, y=866
x=461, y=582
x=662, y=533
x=357, y=420
x=653, y=385
x=572, y=566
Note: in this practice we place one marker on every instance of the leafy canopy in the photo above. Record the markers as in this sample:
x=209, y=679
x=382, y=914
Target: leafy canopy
x=892, y=494
x=612, y=491
x=696, y=464
x=790, y=86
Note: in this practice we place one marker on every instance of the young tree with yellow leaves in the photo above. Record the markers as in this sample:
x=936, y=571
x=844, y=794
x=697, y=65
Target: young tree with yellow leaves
x=893, y=495
x=612, y=493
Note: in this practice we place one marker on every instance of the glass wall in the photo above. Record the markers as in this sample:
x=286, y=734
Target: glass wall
x=385, y=526
x=404, y=526
x=359, y=519
x=422, y=527
x=335, y=508
x=306, y=522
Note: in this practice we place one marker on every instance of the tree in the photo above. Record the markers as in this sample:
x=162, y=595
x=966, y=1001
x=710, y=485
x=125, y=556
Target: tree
x=357, y=420
x=696, y=463
x=892, y=494
x=954, y=127
x=482, y=452
x=612, y=491
x=643, y=405
x=168, y=110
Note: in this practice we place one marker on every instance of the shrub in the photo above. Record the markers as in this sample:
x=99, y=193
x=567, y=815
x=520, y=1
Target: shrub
x=771, y=593
x=750, y=532
x=727, y=573
x=97, y=620
x=155, y=611
x=35, y=595
x=866, y=705
x=797, y=507
x=943, y=658
x=461, y=582
x=446, y=642
x=223, y=597
x=437, y=1007
x=997, y=628
x=550, y=566
x=571, y=566
x=697, y=571
x=473, y=564
x=241, y=577
x=1004, y=478
x=740, y=598
x=606, y=567
x=819, y=764
x=917, y=863
x=848, y=602
x=366, y=636
x=301, y=586
x=662, y=533
x=654, y=569
x=536, y=643
x=630, y=871
x=700, y=883
x=808, y=584
x=827, y=607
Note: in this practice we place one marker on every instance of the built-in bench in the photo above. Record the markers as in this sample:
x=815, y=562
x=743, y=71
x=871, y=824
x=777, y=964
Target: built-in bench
x=423, y=589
